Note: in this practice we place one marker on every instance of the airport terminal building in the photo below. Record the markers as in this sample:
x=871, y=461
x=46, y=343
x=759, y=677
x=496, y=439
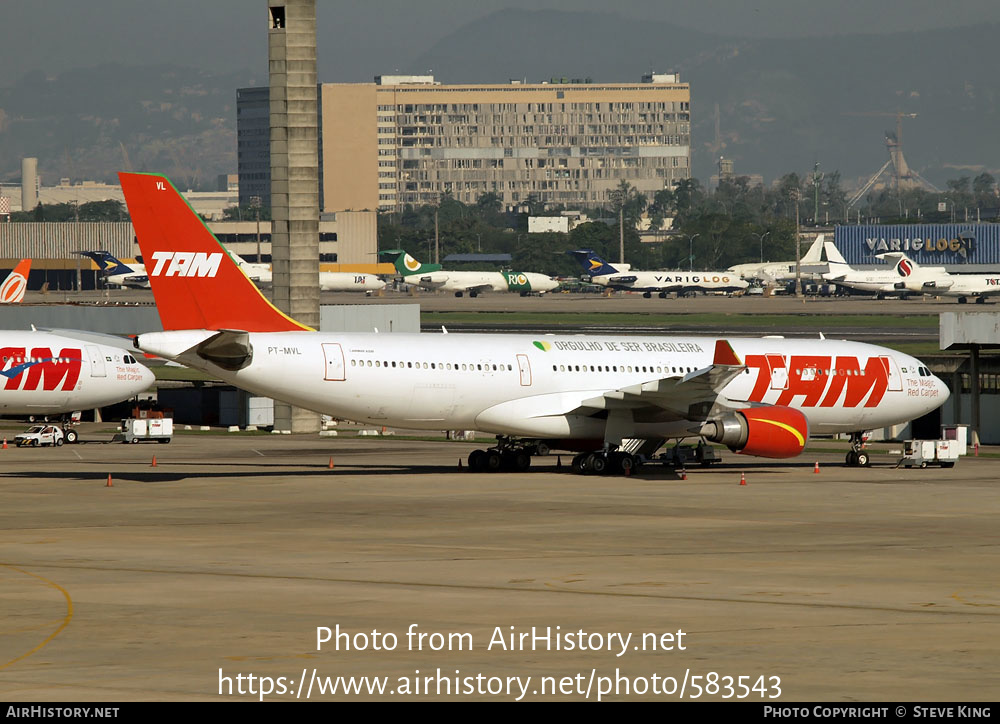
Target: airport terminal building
x=409, y=140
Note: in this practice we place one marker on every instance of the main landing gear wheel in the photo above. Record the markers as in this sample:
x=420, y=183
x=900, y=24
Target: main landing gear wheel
x=507, y=456
x=71, y=436
x=602, y=463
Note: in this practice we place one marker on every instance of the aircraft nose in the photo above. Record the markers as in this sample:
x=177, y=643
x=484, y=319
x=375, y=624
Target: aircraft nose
x=943, y=392
x=143, y=380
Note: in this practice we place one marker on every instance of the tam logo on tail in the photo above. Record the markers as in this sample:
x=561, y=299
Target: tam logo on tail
x=197, y=285
x=186, y=264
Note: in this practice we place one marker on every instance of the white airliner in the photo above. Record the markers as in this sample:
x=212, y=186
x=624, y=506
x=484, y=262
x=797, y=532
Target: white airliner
x=432, y=276
x=622, y=276
x=45, y=374
x=937, y=282
x=328, y=281
x=782, y=271
x=881, y=281
x=587, y=393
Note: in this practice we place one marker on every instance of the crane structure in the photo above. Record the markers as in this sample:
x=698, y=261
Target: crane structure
x=903, y=177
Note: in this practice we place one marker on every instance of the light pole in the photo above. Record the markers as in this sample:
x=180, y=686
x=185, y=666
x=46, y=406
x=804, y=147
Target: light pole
x=618, y=197
x=760, y=238
x=255, y=204
x=691, y=251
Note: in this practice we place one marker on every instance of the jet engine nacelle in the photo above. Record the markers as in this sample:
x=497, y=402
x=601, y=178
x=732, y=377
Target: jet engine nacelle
x=769, y=432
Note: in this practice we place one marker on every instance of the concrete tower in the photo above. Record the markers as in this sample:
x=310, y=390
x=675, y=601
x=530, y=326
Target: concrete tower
x=291, y=47
x=29, y=184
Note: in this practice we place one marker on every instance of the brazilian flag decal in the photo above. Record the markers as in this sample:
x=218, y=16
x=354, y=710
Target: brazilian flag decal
x=544, y=346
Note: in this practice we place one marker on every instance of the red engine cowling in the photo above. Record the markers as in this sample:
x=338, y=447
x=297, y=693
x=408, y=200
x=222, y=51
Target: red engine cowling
x=768, y=431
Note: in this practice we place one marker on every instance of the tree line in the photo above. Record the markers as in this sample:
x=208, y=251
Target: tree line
x=711, y=229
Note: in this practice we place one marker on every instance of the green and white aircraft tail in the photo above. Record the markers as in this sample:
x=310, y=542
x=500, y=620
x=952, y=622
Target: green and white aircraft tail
x=406, y=265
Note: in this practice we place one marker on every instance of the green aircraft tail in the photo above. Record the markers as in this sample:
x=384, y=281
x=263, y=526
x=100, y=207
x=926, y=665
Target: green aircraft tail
x=406, y=265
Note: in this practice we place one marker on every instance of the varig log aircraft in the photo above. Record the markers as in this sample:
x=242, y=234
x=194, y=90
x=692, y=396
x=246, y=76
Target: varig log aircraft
x=431, y=276
x=118, y=272
x=16, y=283
x=624, y=277
x=43, y=374
x=535, y=392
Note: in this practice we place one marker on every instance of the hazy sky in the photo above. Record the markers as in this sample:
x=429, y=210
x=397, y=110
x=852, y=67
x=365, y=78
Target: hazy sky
x=360, y=38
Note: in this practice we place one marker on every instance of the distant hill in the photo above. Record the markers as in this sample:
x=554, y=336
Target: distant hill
x=175, y=120
x=782, y=104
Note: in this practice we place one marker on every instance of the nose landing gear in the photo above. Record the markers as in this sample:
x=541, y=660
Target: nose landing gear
x=857, y=456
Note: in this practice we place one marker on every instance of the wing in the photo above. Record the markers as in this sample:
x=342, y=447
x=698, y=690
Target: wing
x=478, y=288
x=139, y=281
x=692, y=396
x=936, y=285
x=623, y=280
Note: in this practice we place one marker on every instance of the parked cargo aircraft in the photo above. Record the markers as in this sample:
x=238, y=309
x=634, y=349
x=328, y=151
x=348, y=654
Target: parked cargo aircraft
x=16, y=283
x=45, y=374
x=588, y=393
x=622, y=276
x=432, y=276
x=260, y=274
x=935, y=281
x=882, y=282
x=782, y=271
x=118, y=272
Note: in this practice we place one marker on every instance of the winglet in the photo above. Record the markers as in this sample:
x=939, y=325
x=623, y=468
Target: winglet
x=14, y=286
x=724, y=354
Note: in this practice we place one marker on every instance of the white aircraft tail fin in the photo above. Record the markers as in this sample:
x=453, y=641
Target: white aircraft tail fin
x=833, y=254
x=815, y=252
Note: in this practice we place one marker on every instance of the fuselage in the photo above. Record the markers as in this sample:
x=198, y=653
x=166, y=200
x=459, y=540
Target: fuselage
x=537, y=385
x=328, y=281
x=956, y=285
x=875, y=280
x=44, y=373
x=462, y=281
x=136, y=278
x=648, y=281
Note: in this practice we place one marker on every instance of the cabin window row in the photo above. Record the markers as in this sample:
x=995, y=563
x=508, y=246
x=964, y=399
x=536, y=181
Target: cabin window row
x=831, y=372
x=453, y=366
x=622, y=368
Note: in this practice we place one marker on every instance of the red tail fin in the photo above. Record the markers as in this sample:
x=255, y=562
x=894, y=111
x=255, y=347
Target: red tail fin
x=16, y=284
x=195, y=282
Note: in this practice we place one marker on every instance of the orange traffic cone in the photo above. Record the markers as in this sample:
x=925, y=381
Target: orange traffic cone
x=743, y=479
x=816, y=468
x=684, y=474
x=153, y=464
x=109, y=485
x=5, y=446
x=330, y=466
